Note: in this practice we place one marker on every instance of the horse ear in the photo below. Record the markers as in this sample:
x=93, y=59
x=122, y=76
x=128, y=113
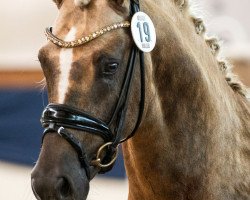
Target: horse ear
x=58, y=2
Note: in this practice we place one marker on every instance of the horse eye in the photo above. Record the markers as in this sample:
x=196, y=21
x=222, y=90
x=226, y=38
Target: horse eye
x=111, y=68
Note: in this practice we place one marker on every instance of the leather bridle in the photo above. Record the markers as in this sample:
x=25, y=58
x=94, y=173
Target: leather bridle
x=58, y=117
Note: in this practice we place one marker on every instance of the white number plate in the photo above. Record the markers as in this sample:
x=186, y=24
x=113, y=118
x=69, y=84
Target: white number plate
x=143, y=32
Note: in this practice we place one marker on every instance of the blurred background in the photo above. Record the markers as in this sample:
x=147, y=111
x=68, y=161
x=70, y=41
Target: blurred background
x=22, y=100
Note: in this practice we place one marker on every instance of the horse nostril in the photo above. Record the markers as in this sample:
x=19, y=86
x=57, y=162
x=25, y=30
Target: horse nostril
x=63, y=187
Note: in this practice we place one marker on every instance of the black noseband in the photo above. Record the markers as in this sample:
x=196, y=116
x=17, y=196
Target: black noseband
x=57, y=117
x=68, y=117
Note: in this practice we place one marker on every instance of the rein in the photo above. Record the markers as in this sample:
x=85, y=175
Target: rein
x=58, y=117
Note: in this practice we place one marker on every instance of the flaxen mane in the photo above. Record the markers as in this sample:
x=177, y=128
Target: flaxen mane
x=213, y=43
x=82, y=3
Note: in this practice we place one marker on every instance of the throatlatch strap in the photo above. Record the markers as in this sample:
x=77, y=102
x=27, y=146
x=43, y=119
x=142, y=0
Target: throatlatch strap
x=123, y=93
x=142, y=101
x=135, y=7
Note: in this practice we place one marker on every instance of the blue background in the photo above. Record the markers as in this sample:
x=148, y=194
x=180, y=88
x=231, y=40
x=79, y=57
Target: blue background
x=20, y=129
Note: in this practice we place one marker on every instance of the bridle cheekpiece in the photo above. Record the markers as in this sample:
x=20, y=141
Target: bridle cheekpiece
x=59, y=117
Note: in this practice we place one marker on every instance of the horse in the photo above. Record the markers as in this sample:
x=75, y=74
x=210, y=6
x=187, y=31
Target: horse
x=182, y=117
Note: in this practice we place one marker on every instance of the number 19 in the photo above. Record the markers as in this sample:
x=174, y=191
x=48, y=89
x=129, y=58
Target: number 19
x=146, y=31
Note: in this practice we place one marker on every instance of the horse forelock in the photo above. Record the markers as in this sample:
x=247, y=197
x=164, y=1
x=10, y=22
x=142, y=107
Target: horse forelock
x=82, y=3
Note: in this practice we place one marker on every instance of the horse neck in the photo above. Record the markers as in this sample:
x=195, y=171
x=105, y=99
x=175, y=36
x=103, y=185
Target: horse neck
x=192, y=122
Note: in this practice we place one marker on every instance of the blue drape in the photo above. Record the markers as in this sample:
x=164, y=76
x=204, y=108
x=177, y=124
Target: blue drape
x=20, y=129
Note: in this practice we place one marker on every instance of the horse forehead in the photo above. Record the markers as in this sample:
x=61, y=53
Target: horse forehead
x=73, y=8
x=86, y=20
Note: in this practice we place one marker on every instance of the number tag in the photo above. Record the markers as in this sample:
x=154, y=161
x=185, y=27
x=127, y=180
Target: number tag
x=143, y=32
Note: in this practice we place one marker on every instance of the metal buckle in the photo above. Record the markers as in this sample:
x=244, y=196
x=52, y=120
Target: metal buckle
x=97, y=161
x=59, y=131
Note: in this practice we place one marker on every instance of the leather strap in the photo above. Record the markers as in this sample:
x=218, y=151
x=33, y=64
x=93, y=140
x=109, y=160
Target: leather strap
x=74, y=142
x=57, y=117
x=69, y=117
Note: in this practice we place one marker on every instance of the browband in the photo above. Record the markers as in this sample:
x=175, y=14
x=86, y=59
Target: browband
x=70, y=44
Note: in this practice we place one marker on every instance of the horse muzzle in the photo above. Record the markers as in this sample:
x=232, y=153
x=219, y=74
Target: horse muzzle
x=58, y=175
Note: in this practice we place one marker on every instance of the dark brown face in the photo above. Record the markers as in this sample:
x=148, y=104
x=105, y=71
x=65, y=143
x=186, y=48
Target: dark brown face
x=88, y=78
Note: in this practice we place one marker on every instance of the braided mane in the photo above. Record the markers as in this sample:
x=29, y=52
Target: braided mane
x=213, y=44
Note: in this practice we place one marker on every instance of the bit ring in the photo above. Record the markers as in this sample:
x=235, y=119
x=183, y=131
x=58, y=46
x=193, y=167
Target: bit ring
x=98, y=161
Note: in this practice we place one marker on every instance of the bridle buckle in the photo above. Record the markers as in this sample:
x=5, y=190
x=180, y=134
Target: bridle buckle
x=98, y=162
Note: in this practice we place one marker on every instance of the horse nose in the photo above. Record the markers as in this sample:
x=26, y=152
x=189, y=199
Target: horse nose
x=51, y=188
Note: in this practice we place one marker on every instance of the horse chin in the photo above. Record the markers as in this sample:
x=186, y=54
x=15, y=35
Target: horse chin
x=58, y=175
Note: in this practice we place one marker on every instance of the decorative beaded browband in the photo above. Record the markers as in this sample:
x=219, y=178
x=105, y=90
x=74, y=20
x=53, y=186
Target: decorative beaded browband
x=83, y=40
